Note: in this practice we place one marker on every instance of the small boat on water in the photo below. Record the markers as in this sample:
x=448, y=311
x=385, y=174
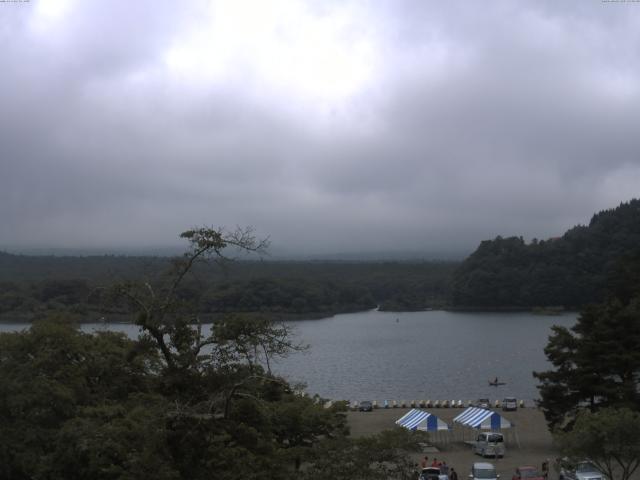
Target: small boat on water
x=496, y=383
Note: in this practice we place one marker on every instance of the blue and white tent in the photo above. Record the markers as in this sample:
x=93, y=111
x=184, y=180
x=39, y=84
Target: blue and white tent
x=416, y=419
x=482, y=418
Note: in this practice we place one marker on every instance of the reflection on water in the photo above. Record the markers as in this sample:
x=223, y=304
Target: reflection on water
x=419, y=355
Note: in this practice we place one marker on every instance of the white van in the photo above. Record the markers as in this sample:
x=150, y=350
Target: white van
x=483, y=471
x=490, y=444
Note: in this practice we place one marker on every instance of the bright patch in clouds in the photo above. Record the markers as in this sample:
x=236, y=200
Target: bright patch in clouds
x=49, y=13
x=332, y=125
x=318, y=55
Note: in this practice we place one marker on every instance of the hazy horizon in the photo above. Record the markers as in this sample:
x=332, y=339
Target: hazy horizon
x=272, y=254
x=333, y=127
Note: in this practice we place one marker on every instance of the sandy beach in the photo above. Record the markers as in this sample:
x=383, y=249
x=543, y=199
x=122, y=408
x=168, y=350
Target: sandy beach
x=535, y=441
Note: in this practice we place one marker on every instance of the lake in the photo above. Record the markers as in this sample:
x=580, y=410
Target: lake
x=422, y=355
x=433, y=355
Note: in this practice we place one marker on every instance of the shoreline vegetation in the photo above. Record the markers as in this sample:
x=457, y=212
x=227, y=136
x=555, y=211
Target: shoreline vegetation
x=32, y=286
x=286, y=317
x=546, y=277
x=157, y=400
x=572, y=270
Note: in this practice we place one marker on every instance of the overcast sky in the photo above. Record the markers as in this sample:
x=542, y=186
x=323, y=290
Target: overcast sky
x=329, y=126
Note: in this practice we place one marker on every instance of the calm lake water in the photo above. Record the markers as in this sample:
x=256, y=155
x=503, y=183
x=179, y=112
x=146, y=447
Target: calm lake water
x=433, y=355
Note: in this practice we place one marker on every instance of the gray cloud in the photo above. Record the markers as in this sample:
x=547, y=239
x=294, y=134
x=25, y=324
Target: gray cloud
x=342, y=126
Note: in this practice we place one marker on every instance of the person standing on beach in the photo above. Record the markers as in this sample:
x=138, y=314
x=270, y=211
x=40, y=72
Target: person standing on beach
x=453, y=475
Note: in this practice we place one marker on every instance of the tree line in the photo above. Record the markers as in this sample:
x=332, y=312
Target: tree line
x=178, y=402
x=184, y=402
x=591, y=395
x=278, y=289
x=570, y=271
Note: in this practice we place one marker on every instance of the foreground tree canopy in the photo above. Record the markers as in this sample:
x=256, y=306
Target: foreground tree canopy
x=591, y=396
x=609, y=438
x=177, y=403
x=596, y=363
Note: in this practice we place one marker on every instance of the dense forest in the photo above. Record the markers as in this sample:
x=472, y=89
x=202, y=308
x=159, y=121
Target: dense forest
x=178, y=402
x=31, y=287
x=569, y=271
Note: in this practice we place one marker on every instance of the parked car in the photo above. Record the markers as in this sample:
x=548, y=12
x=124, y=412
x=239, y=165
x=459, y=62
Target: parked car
x=432, y=473
x=483, y=403
x=527, y=472
x=584, y=470
x=483, y=471
x=509, y=404
x=365, y=406
x=489, y=444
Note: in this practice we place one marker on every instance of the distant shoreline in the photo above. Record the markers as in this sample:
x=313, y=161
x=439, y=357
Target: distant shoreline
x=292, y=317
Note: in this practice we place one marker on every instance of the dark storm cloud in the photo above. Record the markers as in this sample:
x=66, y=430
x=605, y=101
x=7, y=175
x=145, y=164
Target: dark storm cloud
x=425, y=126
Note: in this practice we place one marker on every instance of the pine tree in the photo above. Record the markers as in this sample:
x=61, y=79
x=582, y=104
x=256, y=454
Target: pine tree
x=596, y=363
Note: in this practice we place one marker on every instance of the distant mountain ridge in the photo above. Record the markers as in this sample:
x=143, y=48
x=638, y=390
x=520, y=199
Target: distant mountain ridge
x=570, y=271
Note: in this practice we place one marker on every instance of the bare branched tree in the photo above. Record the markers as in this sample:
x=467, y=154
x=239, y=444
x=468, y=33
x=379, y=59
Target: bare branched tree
x=178, y=334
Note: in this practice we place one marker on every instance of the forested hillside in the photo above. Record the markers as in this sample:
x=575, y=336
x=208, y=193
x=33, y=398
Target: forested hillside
x=31, y=286
x=569, y=271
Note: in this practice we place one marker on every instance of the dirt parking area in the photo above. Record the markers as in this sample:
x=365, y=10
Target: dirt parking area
x=535, y=442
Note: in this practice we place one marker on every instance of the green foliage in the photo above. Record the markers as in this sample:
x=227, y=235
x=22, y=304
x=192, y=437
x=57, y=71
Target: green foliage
x=237, y=338
x=75, y=406
x=609, y=438
x=284, y=296
x=123, y=440
x=51, y=376
x=596, y=363
x=381, y=457
x=177, y=403
x=570, y=271
x=276, y=289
